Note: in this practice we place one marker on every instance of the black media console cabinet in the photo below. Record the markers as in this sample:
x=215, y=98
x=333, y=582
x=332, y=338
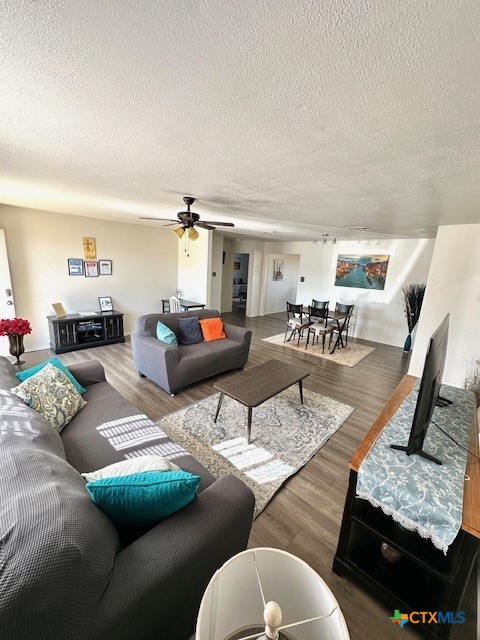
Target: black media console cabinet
x=424, y=579
x=74, y=331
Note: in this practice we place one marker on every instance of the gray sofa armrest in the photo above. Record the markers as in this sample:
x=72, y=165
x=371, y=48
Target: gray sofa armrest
x=88, y=373
x=168, y=568
x=240, y=334
x=154, y=358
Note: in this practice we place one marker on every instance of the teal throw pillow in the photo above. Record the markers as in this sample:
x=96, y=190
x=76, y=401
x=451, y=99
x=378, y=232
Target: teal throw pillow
x=142, y=499
x=189, y=330
x=165, y=334
x=28, y=373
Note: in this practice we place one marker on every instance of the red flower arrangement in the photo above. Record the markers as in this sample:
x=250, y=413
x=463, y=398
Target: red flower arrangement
x=18, y=326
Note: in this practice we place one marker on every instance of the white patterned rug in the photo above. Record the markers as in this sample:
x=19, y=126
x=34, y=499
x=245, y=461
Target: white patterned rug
x=285, y=435
x=348, y=356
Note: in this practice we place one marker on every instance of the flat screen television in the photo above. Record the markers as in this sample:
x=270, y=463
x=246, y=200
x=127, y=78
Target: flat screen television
x=428, y=394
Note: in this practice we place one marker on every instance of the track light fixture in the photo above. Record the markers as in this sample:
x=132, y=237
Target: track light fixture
x=324, y=238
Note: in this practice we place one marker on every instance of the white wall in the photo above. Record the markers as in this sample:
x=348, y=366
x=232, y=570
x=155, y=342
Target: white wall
x=227, y=279
x=379, y=315
x=194, y=267
x=144, y=263
x=278, y=292
x=217, y=268
x=453, y=287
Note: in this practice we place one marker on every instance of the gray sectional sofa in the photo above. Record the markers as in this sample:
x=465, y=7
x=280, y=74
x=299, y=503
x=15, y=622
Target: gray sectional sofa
x=66, y=572
x=175, y=367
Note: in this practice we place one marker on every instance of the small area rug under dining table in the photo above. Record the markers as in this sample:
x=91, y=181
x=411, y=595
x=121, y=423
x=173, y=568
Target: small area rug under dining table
x=285, y=436
x=349, y=356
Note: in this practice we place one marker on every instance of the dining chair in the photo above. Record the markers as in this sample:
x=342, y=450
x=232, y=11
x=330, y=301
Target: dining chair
x=320, y=304
x=297, y=321
x=341, y=326
x=318, y=325
x=175, y=305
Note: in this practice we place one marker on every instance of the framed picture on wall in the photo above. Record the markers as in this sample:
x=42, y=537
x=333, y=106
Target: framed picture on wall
x=105, y=267
x=365, y=271
x=278, y=269
x=91, y=268
x=89, y=249
x=237, y=265
x=75, y=267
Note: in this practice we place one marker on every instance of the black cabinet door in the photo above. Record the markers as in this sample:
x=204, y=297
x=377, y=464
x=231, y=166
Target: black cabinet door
x=66, y=333
x=114, y=327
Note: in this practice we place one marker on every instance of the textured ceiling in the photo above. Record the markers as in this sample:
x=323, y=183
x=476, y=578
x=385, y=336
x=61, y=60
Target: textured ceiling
x=296, y=116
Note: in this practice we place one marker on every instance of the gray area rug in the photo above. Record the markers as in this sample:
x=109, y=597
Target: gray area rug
x=348, y=356
x=285, y=435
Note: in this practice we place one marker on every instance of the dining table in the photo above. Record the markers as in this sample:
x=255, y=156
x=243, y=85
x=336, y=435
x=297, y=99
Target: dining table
x=186, y=305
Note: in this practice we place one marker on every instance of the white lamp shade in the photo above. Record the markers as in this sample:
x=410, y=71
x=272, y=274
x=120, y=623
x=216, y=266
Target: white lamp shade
x=233, y=599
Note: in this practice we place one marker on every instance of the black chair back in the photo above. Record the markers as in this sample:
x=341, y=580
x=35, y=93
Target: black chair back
x=344, y=308
x=294, y=310
x=315, y=313
x=320, y=304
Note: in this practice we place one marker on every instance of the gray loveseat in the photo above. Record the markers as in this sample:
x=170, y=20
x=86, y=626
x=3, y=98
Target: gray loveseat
x=173, y=368
x=66, y=572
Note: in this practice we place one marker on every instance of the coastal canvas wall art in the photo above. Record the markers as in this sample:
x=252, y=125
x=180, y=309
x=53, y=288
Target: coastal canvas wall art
x=361, y=271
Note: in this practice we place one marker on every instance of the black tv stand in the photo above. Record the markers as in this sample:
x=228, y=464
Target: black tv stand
x=421, y=453
x=77, y=331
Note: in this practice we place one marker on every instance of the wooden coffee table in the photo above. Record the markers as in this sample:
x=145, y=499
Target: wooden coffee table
x=260, y=383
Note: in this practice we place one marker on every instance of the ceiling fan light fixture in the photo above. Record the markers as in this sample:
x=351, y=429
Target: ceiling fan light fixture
x=179, y=231
x=188, y=220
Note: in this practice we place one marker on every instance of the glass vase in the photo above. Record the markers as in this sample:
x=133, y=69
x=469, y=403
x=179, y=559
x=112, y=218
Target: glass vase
x=16, y=347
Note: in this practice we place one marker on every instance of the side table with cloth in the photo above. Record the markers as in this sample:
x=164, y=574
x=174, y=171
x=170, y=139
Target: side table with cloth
x=419, y=494
x=392, y=556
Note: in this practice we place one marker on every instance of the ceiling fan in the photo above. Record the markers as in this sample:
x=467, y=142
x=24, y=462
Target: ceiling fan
x=188, y=220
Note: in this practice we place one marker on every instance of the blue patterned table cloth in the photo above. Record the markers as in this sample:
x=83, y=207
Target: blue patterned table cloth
x=419, y=494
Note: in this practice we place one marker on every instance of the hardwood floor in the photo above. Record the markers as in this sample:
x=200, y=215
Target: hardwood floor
x=304, y=517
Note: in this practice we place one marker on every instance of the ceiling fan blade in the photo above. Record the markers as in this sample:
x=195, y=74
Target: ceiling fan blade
x=204, y=225
x=164, y=219
x=219, y=224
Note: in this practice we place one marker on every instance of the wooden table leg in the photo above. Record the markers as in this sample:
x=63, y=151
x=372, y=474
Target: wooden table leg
x=220, y=400
x=300, y=386
x=249, y=424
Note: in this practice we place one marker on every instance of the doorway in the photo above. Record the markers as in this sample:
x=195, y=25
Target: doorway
x=240, y=283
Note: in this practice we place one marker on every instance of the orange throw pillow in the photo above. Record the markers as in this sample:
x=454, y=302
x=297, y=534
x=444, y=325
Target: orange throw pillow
x=212, y=329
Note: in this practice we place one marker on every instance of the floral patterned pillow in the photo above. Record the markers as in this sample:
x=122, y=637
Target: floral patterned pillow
x=52, y=394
